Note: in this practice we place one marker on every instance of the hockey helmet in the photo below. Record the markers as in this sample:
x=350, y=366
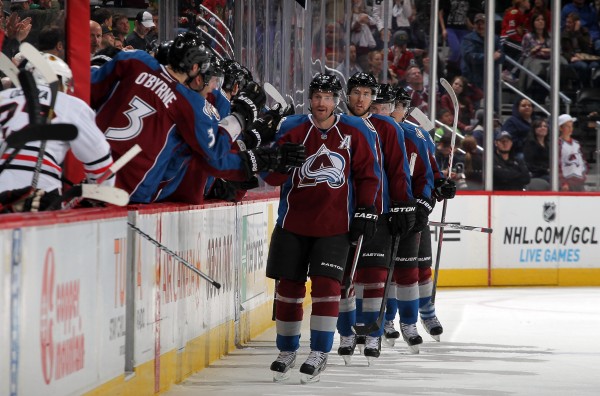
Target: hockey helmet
x=362, y=79
x=325, y=83
x=403, y=97
x=59, y=67
x=188, y=50
x=235, y=73
x=385, y=94
x=162, y=52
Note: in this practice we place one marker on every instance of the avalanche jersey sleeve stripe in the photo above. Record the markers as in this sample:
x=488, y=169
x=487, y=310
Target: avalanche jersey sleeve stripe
x=416, y=142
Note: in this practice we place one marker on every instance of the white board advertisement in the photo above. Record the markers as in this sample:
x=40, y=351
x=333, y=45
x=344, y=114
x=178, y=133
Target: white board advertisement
x=254, y=249
x=545, y=232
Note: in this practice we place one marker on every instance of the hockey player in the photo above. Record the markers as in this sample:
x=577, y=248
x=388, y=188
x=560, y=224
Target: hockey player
x=90, y=146
x=397, y=209
x=413, y=283
x=141, y=101
x=333, y=193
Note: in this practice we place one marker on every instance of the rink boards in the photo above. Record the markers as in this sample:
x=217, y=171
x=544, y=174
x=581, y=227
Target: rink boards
x=90, y=307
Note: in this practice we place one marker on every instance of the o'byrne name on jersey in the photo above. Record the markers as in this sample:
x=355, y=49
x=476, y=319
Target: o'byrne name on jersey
x=158, y=86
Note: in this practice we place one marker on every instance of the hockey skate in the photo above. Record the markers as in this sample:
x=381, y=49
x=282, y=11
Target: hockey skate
x=311, y=369
x=372, y=349
x=282, y=365
x=433, y=327
x=346, y=349
x=360, y=343
x=411, y=336
x=390, y=333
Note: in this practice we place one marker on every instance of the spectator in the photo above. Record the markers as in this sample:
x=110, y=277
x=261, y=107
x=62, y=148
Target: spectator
x=537, y=150
x=376, y=68
x=588, y=20
x=399, y=56
x=333, y=41
x=515, y=23
x=455, y=25
x=108, y=40
x=152, y=36
x=576, y=47
x=361, y=34
x=52, y=41
x=19, y=5
x=354, y=67
x=473, y=161
x=137, y=38
x=519, y=125
x=536, y=56
x=120, y=27
x=443, y=149
x=479, y=129
x=95, y=37
x=510, y=173
x=399, y=13
x=415, y=88
x=472, y=61
x=466, y=110
x=540, y=7
x=103, y=16
x=572, y=169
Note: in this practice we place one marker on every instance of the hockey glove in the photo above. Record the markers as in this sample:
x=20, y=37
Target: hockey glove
x=364, y=223
x=290, y=155
x=246, y=105
x=443, y=189
x=269, y=159
x=424, y=208
x=262, y=131
x=229, y=190
x=402, y=218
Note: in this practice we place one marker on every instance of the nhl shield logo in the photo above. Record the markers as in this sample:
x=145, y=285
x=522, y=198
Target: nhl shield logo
x=549, y=211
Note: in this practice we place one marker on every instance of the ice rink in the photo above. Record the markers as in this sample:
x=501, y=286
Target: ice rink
x=496, y=341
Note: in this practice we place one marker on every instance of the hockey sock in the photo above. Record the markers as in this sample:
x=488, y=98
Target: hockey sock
x=391, y=305
x=407, y=294
x=426, y=308
x=289, y=312
x=373, y=280
x=325, y=294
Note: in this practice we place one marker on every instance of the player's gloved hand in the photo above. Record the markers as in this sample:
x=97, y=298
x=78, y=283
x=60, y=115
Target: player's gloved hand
x=269, y=159
x=443, y=189
x=246, y=104
x=424, y=208
x=262, y=130
x=402, y=218
x=363, y=223
x=231, y=191
x=290, y=155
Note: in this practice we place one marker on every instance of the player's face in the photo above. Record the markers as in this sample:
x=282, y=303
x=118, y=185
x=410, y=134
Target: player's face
x=381, y=108
x=322, y=105
x=360, y=100
x=399, y=111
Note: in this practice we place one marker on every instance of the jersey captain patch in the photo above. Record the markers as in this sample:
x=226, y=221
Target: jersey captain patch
x=324, y=166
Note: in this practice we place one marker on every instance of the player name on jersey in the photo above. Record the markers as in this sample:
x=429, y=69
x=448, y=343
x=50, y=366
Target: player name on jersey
x=158, y=86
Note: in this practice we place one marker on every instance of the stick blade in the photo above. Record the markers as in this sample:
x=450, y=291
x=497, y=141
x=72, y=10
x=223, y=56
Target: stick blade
x=111, y=195
x=275, y=95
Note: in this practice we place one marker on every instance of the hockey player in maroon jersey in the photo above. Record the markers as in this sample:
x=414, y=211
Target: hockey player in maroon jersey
x=326, y=204
x=141, y=101
x=398, y=210
x=412, y=279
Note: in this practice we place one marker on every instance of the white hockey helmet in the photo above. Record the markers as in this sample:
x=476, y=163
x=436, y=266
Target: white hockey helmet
x=62, y=70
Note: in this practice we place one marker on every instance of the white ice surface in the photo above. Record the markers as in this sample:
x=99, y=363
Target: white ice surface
x=496, y=341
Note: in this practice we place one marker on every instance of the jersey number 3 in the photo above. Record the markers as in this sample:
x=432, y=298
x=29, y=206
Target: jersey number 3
x=138, y=110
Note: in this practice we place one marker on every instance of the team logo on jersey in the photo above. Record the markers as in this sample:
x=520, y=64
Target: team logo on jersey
x=324, y=166
x=345, y=144
x=549, y=211
x=420, y=134
x=211, y=111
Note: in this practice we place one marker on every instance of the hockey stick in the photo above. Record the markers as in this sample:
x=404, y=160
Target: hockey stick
x=438, y=254
x=461, y=227
x=368, y=328
x=39, y=63
x=350, y=280
x=10, y=70
x=114, y=168
x=175, y=256
x=422, y=119
x=32, y=133
x=275, y=95
x=108, y=194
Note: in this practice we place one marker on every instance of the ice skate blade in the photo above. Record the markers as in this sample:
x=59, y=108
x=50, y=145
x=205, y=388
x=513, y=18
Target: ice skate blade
x=360, y=348
x=436, y=337
x=371, y=360
x=413, y=349
x=347, y=359
x=389, y=341
x=309, y=379
x=280, y=377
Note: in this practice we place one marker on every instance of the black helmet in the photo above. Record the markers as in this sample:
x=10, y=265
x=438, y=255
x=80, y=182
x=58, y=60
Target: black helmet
x=361, y=79
x=385, y=94
x=162, y=52
x=403, y=97
x=325, y=83
x=215, y=69
x=235, y=73
x=186, y=51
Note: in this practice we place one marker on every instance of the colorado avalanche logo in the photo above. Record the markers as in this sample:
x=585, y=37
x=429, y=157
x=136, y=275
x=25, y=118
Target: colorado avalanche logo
x=323, y=167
